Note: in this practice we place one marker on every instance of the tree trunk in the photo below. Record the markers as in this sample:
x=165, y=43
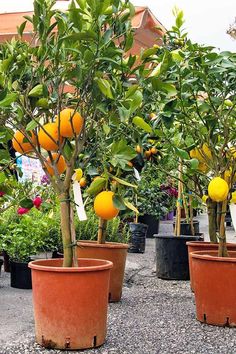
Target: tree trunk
x=102, y=230
x=66, y=229
x=212, y=219
x=222, y=250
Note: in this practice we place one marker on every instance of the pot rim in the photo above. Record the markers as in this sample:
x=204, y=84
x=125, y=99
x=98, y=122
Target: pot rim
x=210, y=256
x=181, y=237
x=109, y=245
x=44, y=265
x=208, y=243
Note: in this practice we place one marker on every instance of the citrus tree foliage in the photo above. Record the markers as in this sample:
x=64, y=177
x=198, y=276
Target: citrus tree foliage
x=75, y=59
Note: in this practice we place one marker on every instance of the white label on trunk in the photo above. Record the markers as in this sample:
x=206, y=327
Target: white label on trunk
x=79, y=201
x=137, y=175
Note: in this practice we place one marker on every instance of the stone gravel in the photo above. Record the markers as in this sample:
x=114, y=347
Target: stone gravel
x=154, y=316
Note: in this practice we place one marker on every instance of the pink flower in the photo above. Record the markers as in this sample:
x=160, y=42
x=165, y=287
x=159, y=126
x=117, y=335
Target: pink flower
x=2, y=193
x=22, y=211
x=37, y=201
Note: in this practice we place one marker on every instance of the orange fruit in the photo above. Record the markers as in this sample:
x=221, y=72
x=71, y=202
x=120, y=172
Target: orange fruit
x=130, y=164
x=83, y=182
x=48, y=137
x=148, y=153
x=138, y=149
x=154, y=150
x=71, y=122
x=60, y=164
x=104, y=207
x=18, y=142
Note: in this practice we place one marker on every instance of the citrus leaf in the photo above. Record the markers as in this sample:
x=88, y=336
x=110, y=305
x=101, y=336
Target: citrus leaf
x=140, y=122
x=118, y=202
x=131, y=206
x=121, y=181
x=96, y=186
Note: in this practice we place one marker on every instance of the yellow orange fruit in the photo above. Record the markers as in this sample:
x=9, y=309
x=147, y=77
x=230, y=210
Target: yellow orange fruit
x=233, y=198
x=20, y=145
x=154, y=150
x=202, y=154
x=71, y=122
x=138, y=149
x=82, y=182
x=218, y=189
x=202, y=167
x=130, y=164
x=59, y=163
x=147, y=153
x=48, y=137
x=204, y=198
x=104, y=207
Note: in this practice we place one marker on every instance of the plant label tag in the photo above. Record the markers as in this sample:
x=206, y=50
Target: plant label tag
x=137, y=175
x=79, y=201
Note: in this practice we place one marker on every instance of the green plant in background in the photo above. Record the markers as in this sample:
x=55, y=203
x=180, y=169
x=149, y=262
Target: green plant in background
x=117, y=231
x=22, y=236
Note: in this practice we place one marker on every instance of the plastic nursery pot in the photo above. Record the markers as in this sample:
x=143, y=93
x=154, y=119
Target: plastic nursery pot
x=185, y=228
x=152, y=222
x=172, y=256
x=6, y=260
x=110, y=251
x=70, y=304
x=214, y=285
x=1, y=263
x=195, y=246
x=137, y=237
x=20, y=275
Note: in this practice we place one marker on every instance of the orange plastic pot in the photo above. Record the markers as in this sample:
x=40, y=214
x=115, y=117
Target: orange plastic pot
x=111, y=251
x=214, y=285
x=194, y=246
x=70, y=304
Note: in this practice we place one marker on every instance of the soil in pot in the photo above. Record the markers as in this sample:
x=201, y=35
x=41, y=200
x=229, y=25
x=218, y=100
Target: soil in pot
x=137, y=240
x=113, y=252
x=185, y=228
x=70, y=304
x=152, y=222
x=172, y=256
x=214, y=285
x=20, y=275
x=195, y=246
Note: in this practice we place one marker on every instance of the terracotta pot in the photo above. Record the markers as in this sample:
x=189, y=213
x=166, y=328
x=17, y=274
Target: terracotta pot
x=194, y=246
x=111, y=251
x=70, y=304
x=214, y=285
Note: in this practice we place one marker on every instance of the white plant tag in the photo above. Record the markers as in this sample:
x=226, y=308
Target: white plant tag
x=79, y=201
x=137, y=175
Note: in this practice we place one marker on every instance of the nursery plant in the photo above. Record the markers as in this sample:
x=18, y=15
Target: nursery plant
x=81, y=50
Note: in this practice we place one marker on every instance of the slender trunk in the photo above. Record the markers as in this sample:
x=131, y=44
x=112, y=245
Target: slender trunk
x=191, y=214
x=102, y=230
x=222, y=250
x=212, y=220
x=66, y=228
x=179, y=202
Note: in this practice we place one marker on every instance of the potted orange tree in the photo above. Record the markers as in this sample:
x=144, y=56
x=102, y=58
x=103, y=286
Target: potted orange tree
x=60, y=91
x=203, y=109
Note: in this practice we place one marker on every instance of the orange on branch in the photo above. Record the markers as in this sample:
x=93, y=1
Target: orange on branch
x=83, y=182
x=48, y=137
x=59, y=162
x=104, y=207
x=21, y=144
x=71, y=122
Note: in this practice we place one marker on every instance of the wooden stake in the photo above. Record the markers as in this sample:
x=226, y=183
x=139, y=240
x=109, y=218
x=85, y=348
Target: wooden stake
x=191, y=213
x=73, y=237
x=179, y=203
x=222, y=251
x=102, y=231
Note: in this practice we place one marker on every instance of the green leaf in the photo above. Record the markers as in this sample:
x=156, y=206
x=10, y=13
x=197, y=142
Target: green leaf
x=132, y=89
x=140, y=122
x=106, y=129
x=182, y=154
x=37, y=91
x=96, y=186
x=118, y=202
x=32, y=125
x=8, y=100
x=136, y=100
x=26, y=203
x=21, y=28
x=104, y=87
x=3, y=177
x=148, y=52
x=121, y=151
x=162, y=66
x=131, y=206
x=159, y=85
x=125, y=183
x=194, y=163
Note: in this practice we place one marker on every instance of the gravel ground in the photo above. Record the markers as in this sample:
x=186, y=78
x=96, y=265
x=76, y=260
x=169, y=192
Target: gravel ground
x=155, y=316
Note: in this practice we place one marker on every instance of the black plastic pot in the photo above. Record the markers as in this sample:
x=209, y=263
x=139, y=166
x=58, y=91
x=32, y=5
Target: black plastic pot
x=20, y=275
x=172, y=256
x=185, y=228
x=6, y=262
x=57, y=254
x=152, y=222
x=1, y=263
x=137, y=237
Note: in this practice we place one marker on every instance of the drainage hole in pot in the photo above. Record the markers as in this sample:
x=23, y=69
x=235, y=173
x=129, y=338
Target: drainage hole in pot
x=95, y=341
x=204, y=317
x=109, y=297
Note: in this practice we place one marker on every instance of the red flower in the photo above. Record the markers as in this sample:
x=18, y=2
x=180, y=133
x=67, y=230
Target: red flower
x=22, y=211
x=37, y=201
x=2, y=193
